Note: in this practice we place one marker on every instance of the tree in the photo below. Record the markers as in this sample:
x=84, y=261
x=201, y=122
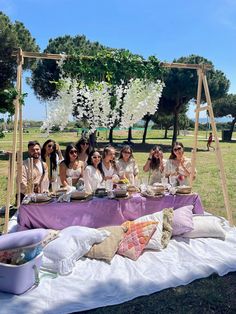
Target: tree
x=12, y=36
x=226, y=106
x=164, y=121
x=47, y=71
x=181, y=86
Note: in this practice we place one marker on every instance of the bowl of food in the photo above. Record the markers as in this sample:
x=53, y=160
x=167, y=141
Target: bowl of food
x=132, y=189
x=100, y=192
x=40, y=198
x=120, y=192
x=156, y=189
x=78, y=195
x=183, y=189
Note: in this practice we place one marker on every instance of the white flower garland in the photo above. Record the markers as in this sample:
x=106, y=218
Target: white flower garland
x=61, y=108
x=133, y=102
x=141, y=97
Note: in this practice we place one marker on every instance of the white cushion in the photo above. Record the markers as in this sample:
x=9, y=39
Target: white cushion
x=73, y=242
x=155, y=241
x=206, y=226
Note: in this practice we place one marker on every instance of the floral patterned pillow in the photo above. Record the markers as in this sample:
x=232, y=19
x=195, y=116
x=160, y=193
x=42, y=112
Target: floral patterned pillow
x=136, y=238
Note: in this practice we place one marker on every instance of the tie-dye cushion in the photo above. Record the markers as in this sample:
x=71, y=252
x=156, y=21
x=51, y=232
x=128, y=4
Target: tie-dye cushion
x=136, y=238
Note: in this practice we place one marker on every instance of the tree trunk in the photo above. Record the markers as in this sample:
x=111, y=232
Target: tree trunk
x=92, y=139
x=232, y=128
x=148, y=118
x=130, y=134
x=111, y=135
x=175, y=127
x=166, y=133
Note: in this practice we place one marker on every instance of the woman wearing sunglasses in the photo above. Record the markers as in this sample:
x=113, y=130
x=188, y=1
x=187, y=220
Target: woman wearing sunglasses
x=83, y=149
x=93, y=174
x=126, y=165
x=178, y=165
x=71, y=169
x=51, y=154
x=155, y=164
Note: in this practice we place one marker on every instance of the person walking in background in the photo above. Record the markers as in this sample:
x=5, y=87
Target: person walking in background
x=209, y=142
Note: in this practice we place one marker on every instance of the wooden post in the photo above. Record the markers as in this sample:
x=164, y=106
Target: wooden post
x=194, y=151
x=20, y=152
x=218, y=151
x=7, y=210
x=16, y=120
x=19, y=178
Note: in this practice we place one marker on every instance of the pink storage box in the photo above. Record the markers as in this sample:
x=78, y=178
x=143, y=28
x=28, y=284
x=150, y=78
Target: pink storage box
x=17, y=279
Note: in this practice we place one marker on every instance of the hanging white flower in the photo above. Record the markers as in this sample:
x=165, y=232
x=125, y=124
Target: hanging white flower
x=93, y=103
x=61, y=108
x=141, y=97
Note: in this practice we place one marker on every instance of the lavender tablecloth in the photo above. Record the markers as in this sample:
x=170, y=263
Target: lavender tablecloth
x=99, y=212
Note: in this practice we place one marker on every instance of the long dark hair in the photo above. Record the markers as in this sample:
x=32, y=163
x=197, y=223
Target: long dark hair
x=66, y=160
x=155, y=162
x=172, y=154
x=106, y=150
x=126, y=147
x=80, y=142
x=90, y=162
x=53, y=155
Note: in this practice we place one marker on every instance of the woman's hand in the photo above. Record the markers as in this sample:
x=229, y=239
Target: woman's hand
x=108, y=178
x=151, y=153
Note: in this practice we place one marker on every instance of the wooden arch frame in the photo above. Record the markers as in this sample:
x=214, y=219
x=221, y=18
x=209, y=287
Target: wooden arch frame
x=18, y=125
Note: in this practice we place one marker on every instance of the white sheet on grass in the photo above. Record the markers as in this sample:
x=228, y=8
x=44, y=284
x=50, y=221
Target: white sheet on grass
x=94, y=283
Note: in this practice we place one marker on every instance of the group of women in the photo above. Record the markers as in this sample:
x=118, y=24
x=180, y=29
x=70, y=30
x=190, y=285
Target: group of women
x=89, y=167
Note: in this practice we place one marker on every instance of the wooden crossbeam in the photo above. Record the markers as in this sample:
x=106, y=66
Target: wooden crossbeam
x=51, y=56
x=202, y=108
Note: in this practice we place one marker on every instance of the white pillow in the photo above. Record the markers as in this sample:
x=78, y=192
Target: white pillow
x=206, y=226
x=155, y=241
x=73, y=242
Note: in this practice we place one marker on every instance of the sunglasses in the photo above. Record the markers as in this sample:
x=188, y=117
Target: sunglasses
x=84, y=144
x=50, y=146
x=95, y=157
x=129, y=153
x=72, y=152
x=177, y=148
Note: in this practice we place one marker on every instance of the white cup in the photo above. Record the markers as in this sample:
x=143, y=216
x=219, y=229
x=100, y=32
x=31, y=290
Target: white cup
x=164, y=181
x=54, y=186
x=173, y=180
x=108, y=185
x=69, y=181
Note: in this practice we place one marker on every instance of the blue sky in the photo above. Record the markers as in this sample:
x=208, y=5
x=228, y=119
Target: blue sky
x=166, y=28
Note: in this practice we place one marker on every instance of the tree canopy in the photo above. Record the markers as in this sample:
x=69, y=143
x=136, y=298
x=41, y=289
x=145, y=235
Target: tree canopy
x=226, y=106
x=90, y=62
x=12, y=36
x=181, y=87
x=47, y=71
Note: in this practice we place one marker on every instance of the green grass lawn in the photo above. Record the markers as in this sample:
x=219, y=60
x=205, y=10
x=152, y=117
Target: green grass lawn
x=211, y=295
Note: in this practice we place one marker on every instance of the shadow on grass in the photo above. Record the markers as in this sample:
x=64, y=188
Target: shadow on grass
x=210, y=295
